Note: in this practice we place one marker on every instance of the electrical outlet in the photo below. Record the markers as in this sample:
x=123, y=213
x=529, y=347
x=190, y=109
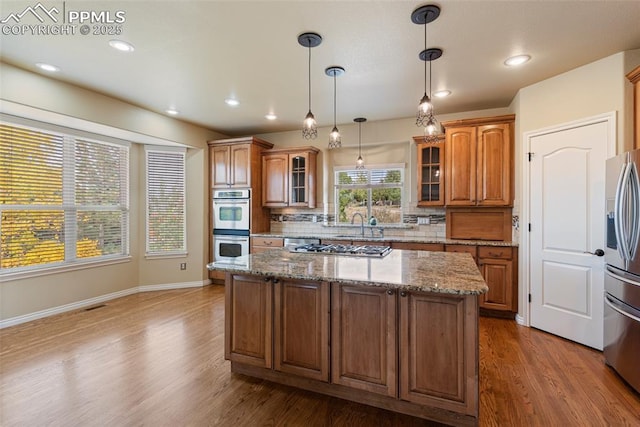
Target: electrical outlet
x=183, y=266
x=424, y=220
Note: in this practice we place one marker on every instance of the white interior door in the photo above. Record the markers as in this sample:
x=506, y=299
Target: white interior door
x=567, y=214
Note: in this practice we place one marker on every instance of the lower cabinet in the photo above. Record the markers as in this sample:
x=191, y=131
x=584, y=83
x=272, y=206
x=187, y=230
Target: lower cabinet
x=496, y=266
x=410, y=352
x=363, y=338
x=248, y=320
x=301, y=328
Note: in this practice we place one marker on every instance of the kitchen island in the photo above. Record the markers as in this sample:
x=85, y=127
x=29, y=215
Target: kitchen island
x=399, y=332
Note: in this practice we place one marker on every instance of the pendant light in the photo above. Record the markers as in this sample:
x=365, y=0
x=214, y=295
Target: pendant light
x=309, y=40
x=425, y=118
x=335, y=141
x=360, y=160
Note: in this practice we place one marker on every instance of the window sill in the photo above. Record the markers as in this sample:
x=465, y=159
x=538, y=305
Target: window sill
x=45, y=271
x=166, y=256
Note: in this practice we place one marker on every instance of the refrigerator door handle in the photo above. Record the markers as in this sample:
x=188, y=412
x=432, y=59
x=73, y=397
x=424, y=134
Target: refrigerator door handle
x=634, y=200
x=621, y=278
x=620, y=199
x=611, y=303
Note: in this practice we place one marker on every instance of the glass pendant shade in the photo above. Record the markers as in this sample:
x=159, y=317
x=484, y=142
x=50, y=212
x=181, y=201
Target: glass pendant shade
x=425, y=110
x=359, y=163
x=310, y=129
x=335, y=140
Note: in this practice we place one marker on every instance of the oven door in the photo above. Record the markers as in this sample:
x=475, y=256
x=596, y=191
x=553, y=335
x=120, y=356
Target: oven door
x=229, y=249
x=231, y=215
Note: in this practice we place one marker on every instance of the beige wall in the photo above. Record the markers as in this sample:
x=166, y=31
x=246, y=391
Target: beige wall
x=26, y=296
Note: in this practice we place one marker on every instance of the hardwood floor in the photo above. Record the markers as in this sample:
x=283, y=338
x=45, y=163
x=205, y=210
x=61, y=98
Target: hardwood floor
x=156, y=359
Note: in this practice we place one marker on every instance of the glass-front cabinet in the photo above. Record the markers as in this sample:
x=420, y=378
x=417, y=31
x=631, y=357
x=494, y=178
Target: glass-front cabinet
x=289, y=177
x=430, y=171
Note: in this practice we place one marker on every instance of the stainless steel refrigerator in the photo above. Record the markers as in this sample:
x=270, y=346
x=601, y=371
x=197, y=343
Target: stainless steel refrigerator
x=622, y=279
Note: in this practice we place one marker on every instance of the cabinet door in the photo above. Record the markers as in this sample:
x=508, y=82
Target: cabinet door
x=301, y=316
x=248, y=320
x=363, y=338
x=275, y=180
x=498, y=274
x=460, y=170
x=298, y=186
x=494, y=165
x=430, y=168
x=220, y=166
x=438, y=345
x=240, y=159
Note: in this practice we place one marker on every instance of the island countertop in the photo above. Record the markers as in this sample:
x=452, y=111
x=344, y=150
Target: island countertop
x=442, y=272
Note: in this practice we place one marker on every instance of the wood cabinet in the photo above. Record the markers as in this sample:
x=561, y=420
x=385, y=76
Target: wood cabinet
x=370, y=326
x=248, y=320
x=417, y=246
x=289, y=177
x=235, y=162
x=497, y=267
x=410, y=352
x=262, y=244
x=301, y=328
x=436, y=369
x=479, y=162
x=634, y=77
x=363, y=338
x=430, y=172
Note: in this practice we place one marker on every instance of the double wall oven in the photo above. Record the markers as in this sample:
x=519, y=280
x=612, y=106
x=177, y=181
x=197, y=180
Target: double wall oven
x=231, y=221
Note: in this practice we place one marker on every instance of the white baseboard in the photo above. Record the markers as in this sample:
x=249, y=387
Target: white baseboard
x=12, y=321
x=520, y=320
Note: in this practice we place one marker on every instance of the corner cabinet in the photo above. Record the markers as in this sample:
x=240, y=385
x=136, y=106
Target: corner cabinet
x=430, y=171
x=479, y=161
x=289, y=177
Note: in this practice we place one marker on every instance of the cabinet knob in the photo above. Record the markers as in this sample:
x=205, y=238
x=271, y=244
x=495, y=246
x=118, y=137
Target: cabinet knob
x=267, y=279
x=276, y=281
x=403, y=294
x=390, y=292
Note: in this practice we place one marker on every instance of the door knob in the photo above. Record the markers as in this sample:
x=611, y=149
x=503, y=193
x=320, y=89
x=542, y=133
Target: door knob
x=597, y=252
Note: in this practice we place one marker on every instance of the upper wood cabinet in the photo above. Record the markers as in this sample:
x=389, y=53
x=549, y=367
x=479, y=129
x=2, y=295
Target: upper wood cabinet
x=634, y=77
x=430, y=172
x=479, y=162
x=289, y=177
x=234, y=161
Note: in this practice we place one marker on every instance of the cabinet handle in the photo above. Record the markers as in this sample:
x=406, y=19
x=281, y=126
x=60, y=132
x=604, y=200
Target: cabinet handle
x=390, y=292
x=268, y=279
x=403, y=294
x=276, y=281
x=267, y=243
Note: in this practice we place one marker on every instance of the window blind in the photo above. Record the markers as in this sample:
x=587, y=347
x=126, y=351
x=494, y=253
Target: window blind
x=62, y=199
x=166, y=204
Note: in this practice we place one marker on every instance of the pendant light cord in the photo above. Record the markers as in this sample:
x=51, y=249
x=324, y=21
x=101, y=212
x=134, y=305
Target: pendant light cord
x=360, y=139
x=334, y=98
x=425, y=63
x=309, y=74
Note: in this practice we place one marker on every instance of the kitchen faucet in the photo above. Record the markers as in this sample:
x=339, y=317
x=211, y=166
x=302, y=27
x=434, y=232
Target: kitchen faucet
x=353, y=218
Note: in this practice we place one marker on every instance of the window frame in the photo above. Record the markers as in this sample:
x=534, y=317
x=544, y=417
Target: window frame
x=168, y=253
x=401, y=167
x=71, y=208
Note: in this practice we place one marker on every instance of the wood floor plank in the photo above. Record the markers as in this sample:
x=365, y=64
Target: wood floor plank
x=157, y=359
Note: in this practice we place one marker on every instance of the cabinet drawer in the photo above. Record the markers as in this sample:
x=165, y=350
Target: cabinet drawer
x=500, y=252
x=462, y=248
x=416, y=246
x=274, y=242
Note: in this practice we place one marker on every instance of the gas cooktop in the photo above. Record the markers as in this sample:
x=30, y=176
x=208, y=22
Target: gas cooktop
x=354, y=250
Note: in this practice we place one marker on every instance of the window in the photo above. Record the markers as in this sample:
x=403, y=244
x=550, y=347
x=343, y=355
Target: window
x=376, y=191
x=166, y=207
x=63, y=199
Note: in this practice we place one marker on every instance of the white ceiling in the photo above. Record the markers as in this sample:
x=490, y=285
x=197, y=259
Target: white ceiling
x=191, y=55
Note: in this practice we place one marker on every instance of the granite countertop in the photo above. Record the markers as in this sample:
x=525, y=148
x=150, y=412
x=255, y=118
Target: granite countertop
x=389, y=239
x=442, y=272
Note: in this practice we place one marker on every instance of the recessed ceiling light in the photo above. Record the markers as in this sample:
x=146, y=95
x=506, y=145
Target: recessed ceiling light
x=270, y=116
x=517, y=60
x=47, y=67
x=172, y=112
x=121, y=45
x=232, y=102
x=442, y=93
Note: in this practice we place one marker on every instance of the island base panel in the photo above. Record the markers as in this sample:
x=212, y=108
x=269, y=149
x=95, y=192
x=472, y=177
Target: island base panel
x=359, y=396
